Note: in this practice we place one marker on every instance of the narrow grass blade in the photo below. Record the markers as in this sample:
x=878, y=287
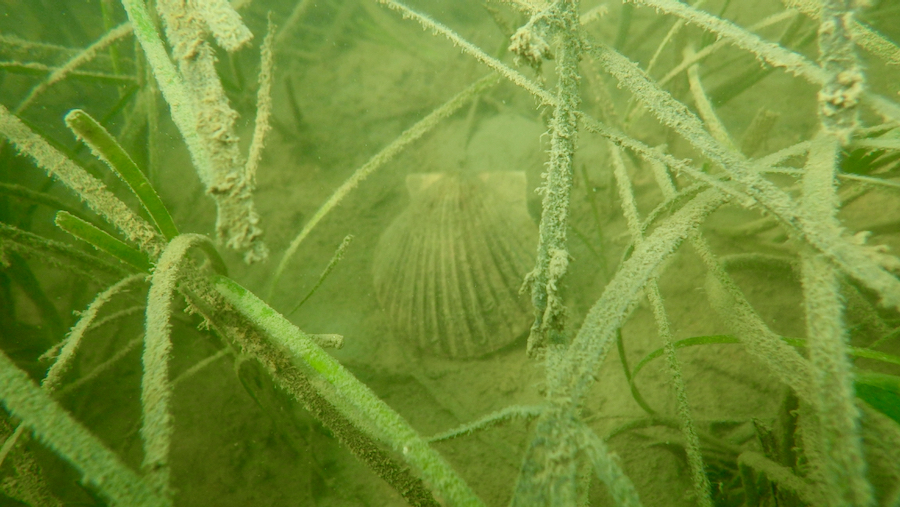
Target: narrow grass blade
x=72, y=341
x=408, y=136
x=77, y=60
x=56, y=429
x=156, y=387
x=436, y=472
x=104, y=146
x=577, y=372
x=89, y=189
x=58, y=254
x=338, y=255
x=103, y=241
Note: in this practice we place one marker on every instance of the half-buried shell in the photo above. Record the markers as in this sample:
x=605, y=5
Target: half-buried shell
x=448, y=269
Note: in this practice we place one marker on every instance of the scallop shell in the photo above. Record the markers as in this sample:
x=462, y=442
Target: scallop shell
x=448, y=269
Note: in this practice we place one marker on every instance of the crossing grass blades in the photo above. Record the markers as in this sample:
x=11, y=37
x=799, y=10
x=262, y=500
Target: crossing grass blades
x=629, y=80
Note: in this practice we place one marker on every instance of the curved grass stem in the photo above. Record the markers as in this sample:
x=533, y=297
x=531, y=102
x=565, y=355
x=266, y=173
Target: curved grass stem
x=354, y=398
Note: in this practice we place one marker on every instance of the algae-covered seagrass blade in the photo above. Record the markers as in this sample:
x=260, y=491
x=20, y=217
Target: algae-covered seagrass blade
x=448, y=269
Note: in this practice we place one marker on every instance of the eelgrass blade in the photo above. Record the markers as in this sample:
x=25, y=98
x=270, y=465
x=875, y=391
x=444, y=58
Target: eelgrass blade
x=225, y=24
x=782, y=476
x=306, y=387
x=390, y=151
x=210, y=139
x=721, y=339
x=214, y=120
x=553, y=460
x=18, y=271
x=171, y=84
x=843, y=469
x=608, y=469
x=88, y=188
x=73, y=339
x=727, y=300
x=79, y=59
x=103, y=241
x=42, y=198
x=104, y=146
x=76, y=261
x=496, y=65
x=692, y=443
x=572, y=371
x=338, y=255
x=356, y=397
x=103, y=367
x=705, y=107
x=11, y=441
x=576, y=373
x=852, y=259
x=56, y=429
x=156, y=387
x=263, y=104
x=635, y=392
x=687, y=342
x=881, y=391
x=702, y=488
x=771, y=53
x=489, y=421
x=65, y=351
x=550, y=468
x=865, y=37
x=552, y=259
x=31, y=68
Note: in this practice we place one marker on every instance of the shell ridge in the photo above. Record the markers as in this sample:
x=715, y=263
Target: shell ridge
x=430, y=338
x=479, y=295
x=500, y=289
x=448, y=268
x=520, y=252
x=414, y=306
x=512, y=307
x=449, y=205
x=501, y=251
x=401, y=292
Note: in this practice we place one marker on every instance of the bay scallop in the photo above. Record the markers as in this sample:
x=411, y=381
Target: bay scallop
x=449, y=267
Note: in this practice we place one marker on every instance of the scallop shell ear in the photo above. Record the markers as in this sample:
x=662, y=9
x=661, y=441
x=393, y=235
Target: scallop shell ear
x=448, y=269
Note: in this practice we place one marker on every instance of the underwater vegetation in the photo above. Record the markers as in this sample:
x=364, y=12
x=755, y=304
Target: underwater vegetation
x=450, y=252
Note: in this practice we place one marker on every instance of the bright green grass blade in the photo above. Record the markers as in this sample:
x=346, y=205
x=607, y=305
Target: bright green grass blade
x=104, y=146
x=881, y=391
x=102, y=241
x=431, y=466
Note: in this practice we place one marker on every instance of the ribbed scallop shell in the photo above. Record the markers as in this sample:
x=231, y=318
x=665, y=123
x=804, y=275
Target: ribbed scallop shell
x=448, y=269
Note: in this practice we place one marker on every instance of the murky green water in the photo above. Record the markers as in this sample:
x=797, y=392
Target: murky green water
x=704, y=210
